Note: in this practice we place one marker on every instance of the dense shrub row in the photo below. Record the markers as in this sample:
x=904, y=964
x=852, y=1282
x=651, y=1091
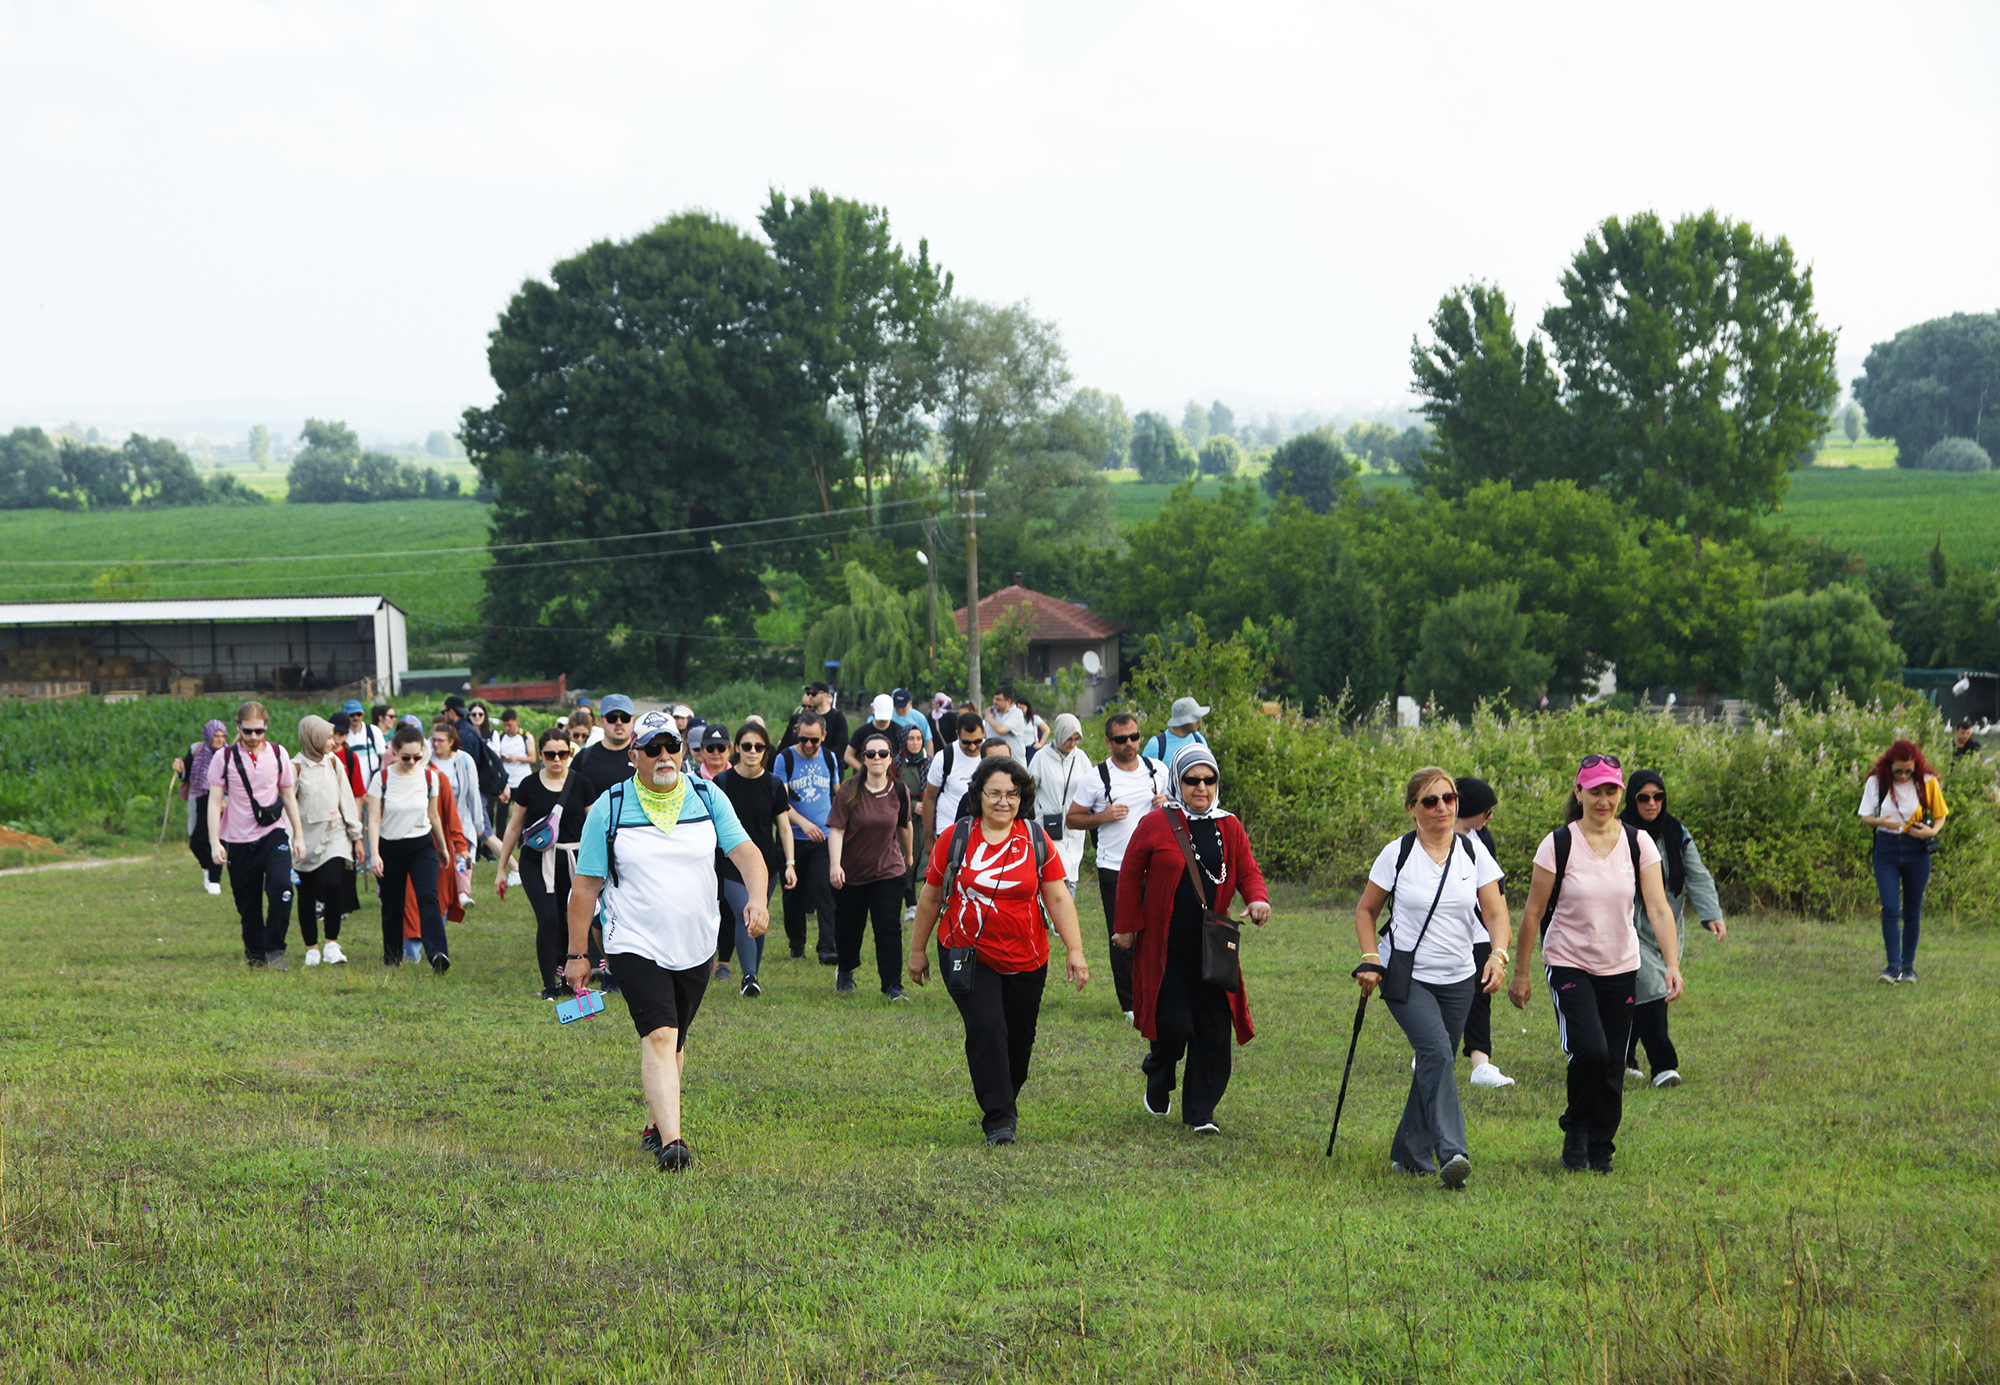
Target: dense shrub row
x=1772, y=805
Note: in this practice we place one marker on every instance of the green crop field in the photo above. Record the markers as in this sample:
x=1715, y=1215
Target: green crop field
x=439, y=591
x=1894, y=515
x=210, y=1174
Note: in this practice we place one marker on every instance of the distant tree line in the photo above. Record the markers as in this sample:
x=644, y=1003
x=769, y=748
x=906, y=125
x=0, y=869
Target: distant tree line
x=1935, y=389
x=332, y=469
x=40, y=473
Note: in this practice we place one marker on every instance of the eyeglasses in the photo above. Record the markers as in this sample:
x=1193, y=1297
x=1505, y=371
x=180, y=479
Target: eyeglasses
x=476, y=714
x=1132, y=739
x=1001, y=795
x=1431, y=800
x=876, y=755
x=1592, y=761
x=554, y=755
x=410, y=759
x=1649, y=798
x=1199, y=781
x=662, y=744
x=250, y=730
x=1902, y=771
x=615, y=718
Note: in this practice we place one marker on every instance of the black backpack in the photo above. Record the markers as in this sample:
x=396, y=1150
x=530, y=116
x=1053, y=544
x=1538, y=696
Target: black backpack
x=492, y=774
x=1564, y=838
x=1403, y=855
x=702, y=790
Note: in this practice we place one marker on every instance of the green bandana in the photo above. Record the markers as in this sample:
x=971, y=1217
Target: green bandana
x=663, y=810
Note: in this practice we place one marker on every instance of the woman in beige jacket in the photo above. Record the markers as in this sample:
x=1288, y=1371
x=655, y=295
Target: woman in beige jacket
x=332, y=848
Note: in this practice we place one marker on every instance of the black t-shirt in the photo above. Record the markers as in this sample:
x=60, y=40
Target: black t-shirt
x=537, y=800
x=590, y=775
x=757, y=803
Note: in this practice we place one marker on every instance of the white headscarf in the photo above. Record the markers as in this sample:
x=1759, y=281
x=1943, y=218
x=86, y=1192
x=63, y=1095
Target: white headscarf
x=1191, y=755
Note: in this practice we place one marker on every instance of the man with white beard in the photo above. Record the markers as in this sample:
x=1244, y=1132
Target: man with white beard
x=648, y=848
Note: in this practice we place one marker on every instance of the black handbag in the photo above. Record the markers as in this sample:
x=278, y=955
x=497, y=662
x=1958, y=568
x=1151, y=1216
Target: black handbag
x=1402, y=970
x=1221, y=964
x=960, y=965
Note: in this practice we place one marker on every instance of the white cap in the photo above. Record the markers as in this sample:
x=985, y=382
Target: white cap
x=883, y=707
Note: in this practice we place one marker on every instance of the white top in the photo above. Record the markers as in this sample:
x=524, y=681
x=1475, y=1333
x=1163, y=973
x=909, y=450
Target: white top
x=1905, y=802
x=950, y=788
x=406, y=809
x=367, y=746
x=1057, y=778
x=1446, y=954
x=1135, y=788
x=465, y=795
x=663, y=904
x=520, y=743
x=1016, y=733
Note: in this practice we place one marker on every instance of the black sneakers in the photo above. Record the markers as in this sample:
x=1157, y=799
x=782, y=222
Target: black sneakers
x=894, y=992
x=751, y=988
x=674, y=1156
x=440, y=964
x=1576, y=1150
x=1003, y=1136
x=649, y=1139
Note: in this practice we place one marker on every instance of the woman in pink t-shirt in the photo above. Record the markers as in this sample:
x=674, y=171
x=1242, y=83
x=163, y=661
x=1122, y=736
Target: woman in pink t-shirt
x=1597, y=869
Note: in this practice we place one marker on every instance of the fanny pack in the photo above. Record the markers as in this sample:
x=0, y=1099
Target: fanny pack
x=538, y=837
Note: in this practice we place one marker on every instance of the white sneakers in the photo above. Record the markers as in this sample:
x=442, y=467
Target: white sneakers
x=211, y=886
x=513, y=879
x=333, y=955
x=1487, y=1075
x=1670, y=1078
x=312, y=956
x=466, y=900
x=1634, y=1074
x=1128, y=1017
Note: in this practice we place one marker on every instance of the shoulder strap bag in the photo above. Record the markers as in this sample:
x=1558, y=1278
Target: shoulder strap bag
x=1220, y=964
x=1402, y=969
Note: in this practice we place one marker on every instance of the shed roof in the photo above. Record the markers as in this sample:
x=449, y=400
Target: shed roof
x=191, y=608
x=1054, y=620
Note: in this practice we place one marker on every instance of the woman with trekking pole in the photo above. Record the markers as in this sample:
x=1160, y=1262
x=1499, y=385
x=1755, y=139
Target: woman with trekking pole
x=1904, y=803
x=1450, y=903
x=1591, y=877
x=1182, y=866
x=1688, y=881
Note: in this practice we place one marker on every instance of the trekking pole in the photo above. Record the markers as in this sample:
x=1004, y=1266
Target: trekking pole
x=1360, y=1013
x=165, y=813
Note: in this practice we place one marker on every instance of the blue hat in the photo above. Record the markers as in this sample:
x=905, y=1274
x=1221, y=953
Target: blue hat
x=352, y=708
x=616, y=702
x=901, y=697
x=583, y=702
x=651, y=725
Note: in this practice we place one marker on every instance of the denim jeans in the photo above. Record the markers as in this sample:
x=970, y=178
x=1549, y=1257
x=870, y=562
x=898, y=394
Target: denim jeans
x=1902, y=867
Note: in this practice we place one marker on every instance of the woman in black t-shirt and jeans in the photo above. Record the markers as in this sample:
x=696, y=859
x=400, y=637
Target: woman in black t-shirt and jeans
x=544, y=874
x=764, y=809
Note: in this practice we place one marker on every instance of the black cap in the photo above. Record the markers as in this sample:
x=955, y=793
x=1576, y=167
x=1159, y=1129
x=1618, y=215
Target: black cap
x=715, y=737
x=1475, y=796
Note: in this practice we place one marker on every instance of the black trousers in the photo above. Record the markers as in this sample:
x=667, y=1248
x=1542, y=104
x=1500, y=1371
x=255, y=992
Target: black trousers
x=1121, y=957
x=1479, y=1019
x=1649, y=1027
x=855, y=907
x=199, y=844
x=411, y=862
x=1594, y=1020
x=551, y=915
x=1000, y=1018
x=325, y=886
x=260, y=877
x=1191, y=1018
x=814, y=891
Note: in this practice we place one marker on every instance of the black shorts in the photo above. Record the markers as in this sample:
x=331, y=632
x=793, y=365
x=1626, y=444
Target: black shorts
x=659, y=998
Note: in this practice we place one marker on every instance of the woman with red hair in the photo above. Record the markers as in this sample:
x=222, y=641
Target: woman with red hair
x=1903, y=801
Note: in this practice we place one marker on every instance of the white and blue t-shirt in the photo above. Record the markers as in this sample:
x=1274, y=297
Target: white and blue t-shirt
x=1164, y=745
x=810, y=782
x=663, y=904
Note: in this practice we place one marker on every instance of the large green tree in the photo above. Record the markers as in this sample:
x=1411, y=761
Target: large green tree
x=1109, y=411
x=647, y=385
x=1313, y=467
x=865, y=311
x=1160, y=454
x=1816, y=645
x=1492, y=400
x=1477, y=645
x=1939, y=379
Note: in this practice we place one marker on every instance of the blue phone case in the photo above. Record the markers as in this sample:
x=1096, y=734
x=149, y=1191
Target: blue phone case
x=581, y=1006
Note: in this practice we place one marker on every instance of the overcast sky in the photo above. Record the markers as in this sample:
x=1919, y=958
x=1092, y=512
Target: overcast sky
x=327, y=201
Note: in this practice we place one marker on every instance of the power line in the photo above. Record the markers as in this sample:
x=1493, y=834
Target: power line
x=479, y=548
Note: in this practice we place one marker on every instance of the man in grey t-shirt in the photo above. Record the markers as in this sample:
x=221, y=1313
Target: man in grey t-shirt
x=1004, y=722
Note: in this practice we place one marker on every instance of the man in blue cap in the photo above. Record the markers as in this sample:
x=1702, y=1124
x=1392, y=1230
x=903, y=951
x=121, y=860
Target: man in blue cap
x=595, y=770
x=906, y=716
x=364, y=742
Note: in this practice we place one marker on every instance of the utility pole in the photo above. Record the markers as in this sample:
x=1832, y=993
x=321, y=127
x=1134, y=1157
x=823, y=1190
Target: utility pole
x=972, y=691
x=929, y=555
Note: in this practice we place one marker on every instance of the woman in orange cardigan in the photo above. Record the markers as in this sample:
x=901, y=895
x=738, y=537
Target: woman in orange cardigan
x=1160, y=911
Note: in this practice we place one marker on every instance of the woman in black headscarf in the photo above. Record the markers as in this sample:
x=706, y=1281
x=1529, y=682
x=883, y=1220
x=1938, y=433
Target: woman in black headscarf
x=1687, y=881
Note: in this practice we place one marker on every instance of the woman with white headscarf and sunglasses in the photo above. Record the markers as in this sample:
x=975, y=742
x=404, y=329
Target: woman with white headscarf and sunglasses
x=1161, y=908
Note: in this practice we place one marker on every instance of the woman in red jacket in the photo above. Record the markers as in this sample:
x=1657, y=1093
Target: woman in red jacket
x=1160, y=910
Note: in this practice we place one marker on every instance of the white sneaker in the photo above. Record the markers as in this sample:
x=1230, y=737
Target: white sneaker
x=1487, y=1075
x=468, y=899
x=312, y=956
x=1633, y=1073
x=1670, y=1078
x=1128, y=1017
x=334, y=956
x=513, y=878
x=211, y=886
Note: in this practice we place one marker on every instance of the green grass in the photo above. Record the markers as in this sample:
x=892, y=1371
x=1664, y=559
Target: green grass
x=209, y=1174
x=1894, y=516
x=1867, y=453
x=440, y=592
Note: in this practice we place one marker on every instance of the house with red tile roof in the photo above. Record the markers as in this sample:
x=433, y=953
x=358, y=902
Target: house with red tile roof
x=1059, y=634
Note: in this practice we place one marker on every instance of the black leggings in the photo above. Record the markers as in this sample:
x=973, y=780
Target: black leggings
x=1000, y=1016
x=551, y=915
x=1479, y=1019
x=198, y=843
x=1649, y=1027
x=326, y=886
x=1121, y=957
x=411, y=864
x=1594, y=1020
x=854, y=908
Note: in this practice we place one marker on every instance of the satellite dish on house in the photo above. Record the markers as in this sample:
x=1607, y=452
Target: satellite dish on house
x=1092, y=665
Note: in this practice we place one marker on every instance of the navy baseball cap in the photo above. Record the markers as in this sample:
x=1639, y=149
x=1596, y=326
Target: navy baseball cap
x=652, y=726
x=616, y=702
x=352, y=708
x=901, y=697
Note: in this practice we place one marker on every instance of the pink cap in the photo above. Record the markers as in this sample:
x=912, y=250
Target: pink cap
x=1603, y=772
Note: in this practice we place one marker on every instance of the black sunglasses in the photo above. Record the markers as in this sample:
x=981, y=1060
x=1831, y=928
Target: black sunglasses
x=1431, y=800
x=250, y=730
x=1127, y=740
x=1592, y=761
x=809, y=740
x=746, y=747
x=1198, y=781
x=661, y=744
x=876, y=755
x=618, y=718
x=1649, y=798
x=556, y=754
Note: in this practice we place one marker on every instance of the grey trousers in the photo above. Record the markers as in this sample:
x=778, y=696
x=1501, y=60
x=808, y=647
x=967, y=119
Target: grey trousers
x=1433, y=1126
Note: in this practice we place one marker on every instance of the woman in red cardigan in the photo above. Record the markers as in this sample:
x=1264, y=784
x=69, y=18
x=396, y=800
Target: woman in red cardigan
x=1160, y=910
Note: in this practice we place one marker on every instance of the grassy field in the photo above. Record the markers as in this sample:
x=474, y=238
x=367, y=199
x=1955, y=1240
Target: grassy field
x=1894, y=516
x=1867, y=453
x=210, y=1174
x=440, y=590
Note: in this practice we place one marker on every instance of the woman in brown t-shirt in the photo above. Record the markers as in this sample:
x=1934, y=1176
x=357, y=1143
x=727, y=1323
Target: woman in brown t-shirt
x=868, y=847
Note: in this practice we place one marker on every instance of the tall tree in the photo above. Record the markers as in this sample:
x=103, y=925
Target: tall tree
x=99, y=477
x=259, y=447
x=1695, y=372
x=1221, y=420
x=1312, y=466
x=1109, y=411
x=1159, y=453
x=647, y=385
x=1221, y=455
x=1937, y=380
x=1492, y=399
x=1194, y=424
x=31, y=476
x=865, y=311
x=162, y=474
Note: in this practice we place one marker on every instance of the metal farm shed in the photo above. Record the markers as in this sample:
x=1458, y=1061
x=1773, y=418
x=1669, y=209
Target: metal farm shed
x=273, y=644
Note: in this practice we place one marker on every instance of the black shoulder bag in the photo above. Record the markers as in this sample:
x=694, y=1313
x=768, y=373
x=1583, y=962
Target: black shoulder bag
x=959, y=964
x=265, y=813
x=1221, y=964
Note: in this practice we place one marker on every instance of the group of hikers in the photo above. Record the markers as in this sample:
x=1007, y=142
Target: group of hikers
x=649, y=844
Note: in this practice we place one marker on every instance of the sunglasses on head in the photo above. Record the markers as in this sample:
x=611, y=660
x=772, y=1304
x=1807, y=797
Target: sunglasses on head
x=1592, y=761
x=616, y=718
x=1198, y=781
x=1132, y=739
x=1654, y=796
x=1431, y=800
x=662, y=744
x=556, y=754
